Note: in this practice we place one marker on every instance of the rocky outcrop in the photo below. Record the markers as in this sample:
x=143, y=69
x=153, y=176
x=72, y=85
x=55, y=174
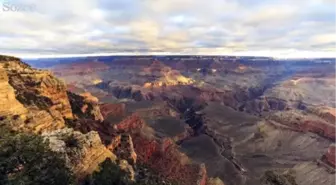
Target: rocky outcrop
x=122, y=146
x=130, y=124
x=39, y=89
x=157, y=111
x=165, y=159
x=161, y=75
x=9, y=58
x=110, y=109
x=34, y=100
x=83, y=152
x=85, y=106
x=319, y=127
x=302, y=121
x=136, y=145
x=122, y=92
x=123, y=165
x=311, y=173
x=264, y=104
x=9, y=105
x=331, y=155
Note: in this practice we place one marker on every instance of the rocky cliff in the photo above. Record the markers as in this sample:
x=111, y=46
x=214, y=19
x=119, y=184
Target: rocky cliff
x=85, y=106
x=331, y=155
x=162, y=155
x=83, y=152
x=34, y=99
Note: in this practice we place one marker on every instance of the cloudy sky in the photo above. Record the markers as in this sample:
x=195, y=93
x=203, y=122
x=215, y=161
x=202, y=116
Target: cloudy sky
x=281, y=28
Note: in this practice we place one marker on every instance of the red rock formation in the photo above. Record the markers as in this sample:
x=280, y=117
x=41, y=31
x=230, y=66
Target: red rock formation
x=131, y=123
x=322, y=128
x=161, y=156
x=110, y=109
x=122, y=146
x=331, y=155
x=165, y=159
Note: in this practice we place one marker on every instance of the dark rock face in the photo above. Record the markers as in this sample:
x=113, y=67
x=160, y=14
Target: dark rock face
x=84, y=108
x=127, y=92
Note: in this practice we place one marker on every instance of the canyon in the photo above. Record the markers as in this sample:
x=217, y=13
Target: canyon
x=190, y=119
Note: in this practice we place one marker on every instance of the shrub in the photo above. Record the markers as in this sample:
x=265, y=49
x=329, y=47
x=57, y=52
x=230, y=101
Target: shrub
x=109, y=173
x=273, y=178
x=26, y=159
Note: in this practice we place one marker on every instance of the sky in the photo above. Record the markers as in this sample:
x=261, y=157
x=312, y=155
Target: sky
x=277, y=28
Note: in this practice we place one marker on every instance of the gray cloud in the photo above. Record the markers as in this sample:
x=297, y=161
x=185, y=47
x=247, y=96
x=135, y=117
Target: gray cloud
x=271, y=27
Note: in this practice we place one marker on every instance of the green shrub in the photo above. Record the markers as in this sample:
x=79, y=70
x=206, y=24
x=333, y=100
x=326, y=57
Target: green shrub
x=108, y=174
x=25, y=159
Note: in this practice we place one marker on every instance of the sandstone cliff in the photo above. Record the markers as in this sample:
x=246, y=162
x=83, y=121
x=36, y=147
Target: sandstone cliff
x=34, y=100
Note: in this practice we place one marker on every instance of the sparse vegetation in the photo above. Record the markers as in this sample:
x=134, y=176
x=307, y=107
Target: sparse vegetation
x=71, y=141
x=109, y=173
x=25, y=159
x=273, y=178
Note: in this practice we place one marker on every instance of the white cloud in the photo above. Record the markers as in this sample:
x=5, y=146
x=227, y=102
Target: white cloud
x=268, y=27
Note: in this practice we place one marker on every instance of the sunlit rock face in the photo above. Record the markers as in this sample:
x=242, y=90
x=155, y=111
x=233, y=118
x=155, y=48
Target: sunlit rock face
x=34, y=99
x=163, y=76
x=9, y=105
x=83, y=152
x=96, y=81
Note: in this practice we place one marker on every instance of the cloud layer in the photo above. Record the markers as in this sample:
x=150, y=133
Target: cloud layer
x=258, y=27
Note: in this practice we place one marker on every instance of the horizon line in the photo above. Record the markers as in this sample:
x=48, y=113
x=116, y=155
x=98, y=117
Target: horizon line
x=303, y=55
